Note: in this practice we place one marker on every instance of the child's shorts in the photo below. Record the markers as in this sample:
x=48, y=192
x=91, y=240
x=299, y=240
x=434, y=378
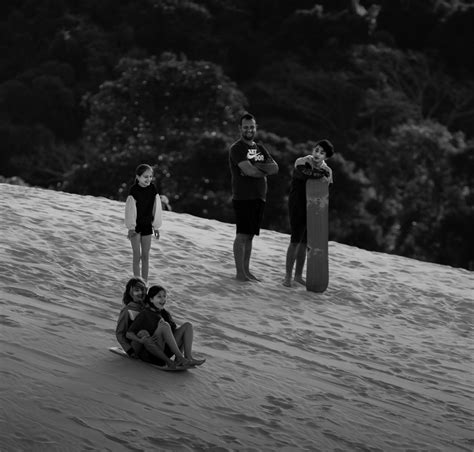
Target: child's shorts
x=298, y=227
x=144, y=229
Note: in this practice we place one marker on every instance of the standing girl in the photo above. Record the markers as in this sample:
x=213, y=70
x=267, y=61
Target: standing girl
x=143, y=217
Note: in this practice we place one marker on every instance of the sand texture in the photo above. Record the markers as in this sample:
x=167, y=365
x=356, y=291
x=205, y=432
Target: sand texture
x=382, y=361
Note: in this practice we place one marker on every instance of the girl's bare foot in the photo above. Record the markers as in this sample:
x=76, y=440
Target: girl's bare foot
x=196, y=362
x=182, y=362
x=299, y=279
x=287, y=281
x=171, y=364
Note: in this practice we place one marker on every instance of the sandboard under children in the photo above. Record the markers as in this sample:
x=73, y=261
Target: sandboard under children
x=121, y=352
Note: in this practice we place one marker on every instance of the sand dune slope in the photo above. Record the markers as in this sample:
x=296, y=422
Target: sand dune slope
x=382, y=361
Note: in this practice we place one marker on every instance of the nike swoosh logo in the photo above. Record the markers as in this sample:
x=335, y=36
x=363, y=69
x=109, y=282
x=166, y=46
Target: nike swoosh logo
x=252, y=153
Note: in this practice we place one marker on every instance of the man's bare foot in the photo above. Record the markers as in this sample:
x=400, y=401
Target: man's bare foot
x=242, y=278
x=287, y=281
x=299, y=279
x=252, y=277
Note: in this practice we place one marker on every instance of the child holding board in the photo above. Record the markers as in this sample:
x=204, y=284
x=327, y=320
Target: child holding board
x=309, y=166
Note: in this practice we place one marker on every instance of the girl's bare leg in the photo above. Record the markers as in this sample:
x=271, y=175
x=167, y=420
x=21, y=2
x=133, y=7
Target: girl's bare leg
x=153, y=345
x=300, y=260
x=136, y=245
x=164, y=334
x=290, y=262
x=145, y=257
x=184, y=339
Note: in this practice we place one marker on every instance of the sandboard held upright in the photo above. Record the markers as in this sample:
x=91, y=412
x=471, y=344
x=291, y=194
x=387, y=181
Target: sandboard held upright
x=317, y=206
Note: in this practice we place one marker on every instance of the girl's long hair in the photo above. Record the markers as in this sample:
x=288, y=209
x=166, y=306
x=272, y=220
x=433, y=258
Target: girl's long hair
x=127, y=298
x=152, y=291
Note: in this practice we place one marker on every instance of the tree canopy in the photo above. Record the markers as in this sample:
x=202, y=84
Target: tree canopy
x=88, y=90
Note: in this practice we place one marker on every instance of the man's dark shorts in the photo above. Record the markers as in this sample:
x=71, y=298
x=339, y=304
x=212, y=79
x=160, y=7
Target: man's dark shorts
x=248, y=215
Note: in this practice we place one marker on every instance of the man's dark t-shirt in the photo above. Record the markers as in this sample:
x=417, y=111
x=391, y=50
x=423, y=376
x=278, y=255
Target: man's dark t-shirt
x=246, y=187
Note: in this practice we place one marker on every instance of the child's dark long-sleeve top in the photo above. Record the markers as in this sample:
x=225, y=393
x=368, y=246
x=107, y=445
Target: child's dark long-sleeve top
x=304, y=170
x=148, y=320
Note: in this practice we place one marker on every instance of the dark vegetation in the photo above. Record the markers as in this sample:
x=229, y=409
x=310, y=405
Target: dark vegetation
x=90, y=89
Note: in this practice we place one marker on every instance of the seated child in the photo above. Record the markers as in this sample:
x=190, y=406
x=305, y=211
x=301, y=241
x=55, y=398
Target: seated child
x=162, y=338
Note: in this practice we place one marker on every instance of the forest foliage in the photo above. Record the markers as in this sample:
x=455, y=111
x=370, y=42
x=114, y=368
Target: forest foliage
x=88, y=90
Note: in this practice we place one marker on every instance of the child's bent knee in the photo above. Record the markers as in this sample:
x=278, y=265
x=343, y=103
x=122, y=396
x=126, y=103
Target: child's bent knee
x=163, y=324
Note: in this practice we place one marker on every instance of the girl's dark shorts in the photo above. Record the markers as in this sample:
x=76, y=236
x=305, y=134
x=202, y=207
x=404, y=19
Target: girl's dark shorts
x=297, y=213
x=144, y=229
x=298, y=229
x=248, y=215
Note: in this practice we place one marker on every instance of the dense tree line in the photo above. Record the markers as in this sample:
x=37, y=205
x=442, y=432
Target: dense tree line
x=90, y=89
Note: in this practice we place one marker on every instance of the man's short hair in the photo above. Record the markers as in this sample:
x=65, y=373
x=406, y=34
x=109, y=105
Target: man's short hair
x=247, y=117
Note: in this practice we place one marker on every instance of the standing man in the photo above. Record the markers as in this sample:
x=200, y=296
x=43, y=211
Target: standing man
x=249, y=163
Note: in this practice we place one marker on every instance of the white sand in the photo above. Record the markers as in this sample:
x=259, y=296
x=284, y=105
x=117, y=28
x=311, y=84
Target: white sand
x=382, y=361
